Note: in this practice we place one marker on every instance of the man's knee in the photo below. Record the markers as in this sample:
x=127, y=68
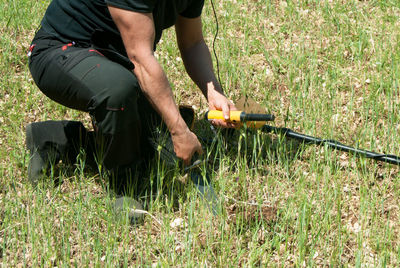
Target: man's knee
x=116, y=109
x=123, y=96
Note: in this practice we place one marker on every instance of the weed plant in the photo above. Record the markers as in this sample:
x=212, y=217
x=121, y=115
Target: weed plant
x=324, y=68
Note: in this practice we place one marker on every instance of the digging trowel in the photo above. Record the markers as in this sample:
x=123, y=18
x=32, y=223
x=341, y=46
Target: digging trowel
x=202, y=182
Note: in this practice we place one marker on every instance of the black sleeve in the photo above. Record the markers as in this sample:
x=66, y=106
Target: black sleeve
x=142, y=6
x=194, y=9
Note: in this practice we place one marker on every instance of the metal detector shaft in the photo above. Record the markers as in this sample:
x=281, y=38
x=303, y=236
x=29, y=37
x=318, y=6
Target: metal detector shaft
x=392, y=159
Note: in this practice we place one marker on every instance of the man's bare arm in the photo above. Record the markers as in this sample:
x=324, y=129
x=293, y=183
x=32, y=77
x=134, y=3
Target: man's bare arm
x=197, y=59
x=137, y=32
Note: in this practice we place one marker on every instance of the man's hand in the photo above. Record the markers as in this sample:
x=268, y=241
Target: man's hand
x=186, y=145
x=218, y=101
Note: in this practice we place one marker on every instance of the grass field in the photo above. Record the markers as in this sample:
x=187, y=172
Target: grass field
x=325, y=68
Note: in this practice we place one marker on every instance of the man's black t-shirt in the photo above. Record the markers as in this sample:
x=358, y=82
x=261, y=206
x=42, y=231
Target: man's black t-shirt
x=80, y=20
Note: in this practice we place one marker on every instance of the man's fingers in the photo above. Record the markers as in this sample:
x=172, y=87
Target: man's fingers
x=200, y=150
x=187, y=162
x=221, y=123
x=225, y=111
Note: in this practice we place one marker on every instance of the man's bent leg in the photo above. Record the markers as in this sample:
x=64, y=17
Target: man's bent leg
x=108, y=91
x=120, y=111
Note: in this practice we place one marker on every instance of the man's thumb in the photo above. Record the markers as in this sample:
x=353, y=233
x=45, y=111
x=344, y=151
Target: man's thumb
x=225, y=112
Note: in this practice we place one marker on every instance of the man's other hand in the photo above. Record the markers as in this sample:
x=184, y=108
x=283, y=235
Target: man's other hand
x=217, y=101
x=186, y=145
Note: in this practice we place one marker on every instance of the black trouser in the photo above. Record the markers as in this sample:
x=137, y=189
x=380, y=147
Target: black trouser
x=82, y=78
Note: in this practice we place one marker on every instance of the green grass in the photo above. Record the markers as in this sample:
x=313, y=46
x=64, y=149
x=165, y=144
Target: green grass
x=324, y=68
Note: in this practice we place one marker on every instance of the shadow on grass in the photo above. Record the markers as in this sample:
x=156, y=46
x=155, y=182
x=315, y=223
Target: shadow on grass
x=256, y=148
x=149, y=185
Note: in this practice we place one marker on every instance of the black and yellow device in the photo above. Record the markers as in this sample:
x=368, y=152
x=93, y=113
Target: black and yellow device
x=251, y=120
x=259, y=121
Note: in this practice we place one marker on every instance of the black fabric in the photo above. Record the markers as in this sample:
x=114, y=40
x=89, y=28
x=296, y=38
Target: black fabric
x=83, y=79
x=78, y=20
x=100, y=42
x=61, y=140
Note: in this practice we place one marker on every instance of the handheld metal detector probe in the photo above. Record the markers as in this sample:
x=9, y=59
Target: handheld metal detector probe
x=259, y=121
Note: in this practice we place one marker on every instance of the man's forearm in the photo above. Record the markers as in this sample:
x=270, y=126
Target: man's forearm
x=155, y=86
x=198, y=64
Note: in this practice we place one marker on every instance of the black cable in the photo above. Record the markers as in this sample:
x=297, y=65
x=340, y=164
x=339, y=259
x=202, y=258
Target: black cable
x=213, y=43
x=392, y=159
